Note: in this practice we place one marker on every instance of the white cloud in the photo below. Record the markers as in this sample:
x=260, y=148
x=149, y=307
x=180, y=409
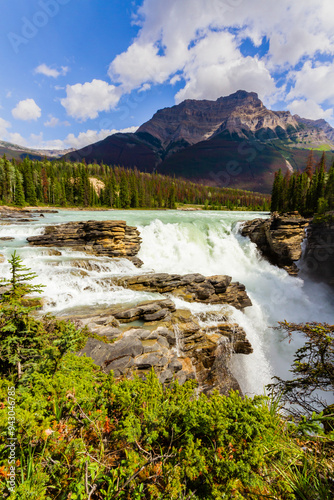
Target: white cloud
x=52, y=122
x=17, y=138
x=43, y=69
x=55, y=122
x=91, y=136
x=37, y=141
x=86, y=100
x=26, y=110
x=307, y=108
x=4, y=125
x=313, y=81
x=199, y=41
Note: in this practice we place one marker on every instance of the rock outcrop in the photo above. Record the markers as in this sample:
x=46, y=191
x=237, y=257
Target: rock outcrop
x=279, y=238
x=175, y=346
x=108, y=238
x=318, y=260
x=191, y=287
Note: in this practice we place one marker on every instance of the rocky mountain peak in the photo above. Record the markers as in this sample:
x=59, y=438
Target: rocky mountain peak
x=193, y=121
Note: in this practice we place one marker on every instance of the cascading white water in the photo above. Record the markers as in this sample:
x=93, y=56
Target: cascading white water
x=183, y=242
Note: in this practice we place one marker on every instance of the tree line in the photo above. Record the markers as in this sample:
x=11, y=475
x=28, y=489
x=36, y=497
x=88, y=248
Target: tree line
x=308, y=192
x=61, y=183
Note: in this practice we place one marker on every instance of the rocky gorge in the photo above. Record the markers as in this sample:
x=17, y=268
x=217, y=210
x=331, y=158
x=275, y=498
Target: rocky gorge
x=154, y=334
x=140, y=319
x=280, y=239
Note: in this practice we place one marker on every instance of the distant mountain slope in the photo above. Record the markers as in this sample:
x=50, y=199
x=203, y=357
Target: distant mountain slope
x=20, y=152
x=200, y=139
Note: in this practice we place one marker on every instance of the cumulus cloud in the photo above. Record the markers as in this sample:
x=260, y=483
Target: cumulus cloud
x=17, y=138
x=91, y=136
x=307, y=108
x=26, y=110
x=4, y=125
x=55, y=122
x=37, y=141
x=313, y=81
x=86, y=100
x=200, y=42
x=43, y=69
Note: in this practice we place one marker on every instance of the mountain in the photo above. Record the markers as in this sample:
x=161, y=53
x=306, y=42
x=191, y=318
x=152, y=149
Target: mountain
x=20, y=152
x=234, y=141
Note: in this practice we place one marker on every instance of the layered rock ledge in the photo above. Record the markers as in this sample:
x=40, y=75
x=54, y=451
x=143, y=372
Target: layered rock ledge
x=175, y=346
x=13, y=214
x=107, y=238
x=191, y=287
x=279, y=238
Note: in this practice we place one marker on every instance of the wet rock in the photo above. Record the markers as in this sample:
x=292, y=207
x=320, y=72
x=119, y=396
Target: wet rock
x=150, y=360
x=175, y=365
x=279, y=238
x=235, y=334
x=153, y=310
x=191, y=287
x=168, y=334
x=7, y=238
x=120, y=366
x=108, y=238
x=180, y=349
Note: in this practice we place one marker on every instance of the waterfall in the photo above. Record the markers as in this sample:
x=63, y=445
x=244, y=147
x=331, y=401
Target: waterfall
x=178, y=341
x=182, y=242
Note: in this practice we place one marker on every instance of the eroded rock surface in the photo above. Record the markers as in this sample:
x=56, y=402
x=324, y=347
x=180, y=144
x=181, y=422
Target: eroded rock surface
x=279, y=238
x=191, y=287
x=109, y=238
x=176, y=347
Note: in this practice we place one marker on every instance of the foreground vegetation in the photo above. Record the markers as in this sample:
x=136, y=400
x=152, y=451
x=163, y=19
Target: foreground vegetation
x=80, y=434
x=308, y=192
x=66, y=184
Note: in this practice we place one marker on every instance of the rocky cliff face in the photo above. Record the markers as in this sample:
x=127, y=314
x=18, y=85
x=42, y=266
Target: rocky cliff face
x=109, y=238
x=279, y=238
x=194, y=121
x=318, y=260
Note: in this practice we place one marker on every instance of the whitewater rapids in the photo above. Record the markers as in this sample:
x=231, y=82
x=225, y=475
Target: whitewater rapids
x=181, y=243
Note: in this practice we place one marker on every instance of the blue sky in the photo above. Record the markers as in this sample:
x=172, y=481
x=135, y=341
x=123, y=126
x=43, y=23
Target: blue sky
x=75, y=71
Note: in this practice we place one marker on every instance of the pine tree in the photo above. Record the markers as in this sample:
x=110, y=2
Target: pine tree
x=329, y=190
x=29, y=186
x=19, y=192
x=124, y=196
x=171, y=198
x=277, y=192
x=309, y=170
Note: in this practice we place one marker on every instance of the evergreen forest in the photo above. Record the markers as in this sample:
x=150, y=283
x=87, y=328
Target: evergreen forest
x=65, y=184
x=308, y=192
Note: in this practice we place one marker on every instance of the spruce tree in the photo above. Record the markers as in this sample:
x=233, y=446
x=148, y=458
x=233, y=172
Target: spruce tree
x=19, y=192
x=124, y=196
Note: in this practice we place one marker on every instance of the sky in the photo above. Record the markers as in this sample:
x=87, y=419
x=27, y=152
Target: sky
x=75, y=71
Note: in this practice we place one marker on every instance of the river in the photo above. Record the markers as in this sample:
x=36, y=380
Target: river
x=181, y=242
